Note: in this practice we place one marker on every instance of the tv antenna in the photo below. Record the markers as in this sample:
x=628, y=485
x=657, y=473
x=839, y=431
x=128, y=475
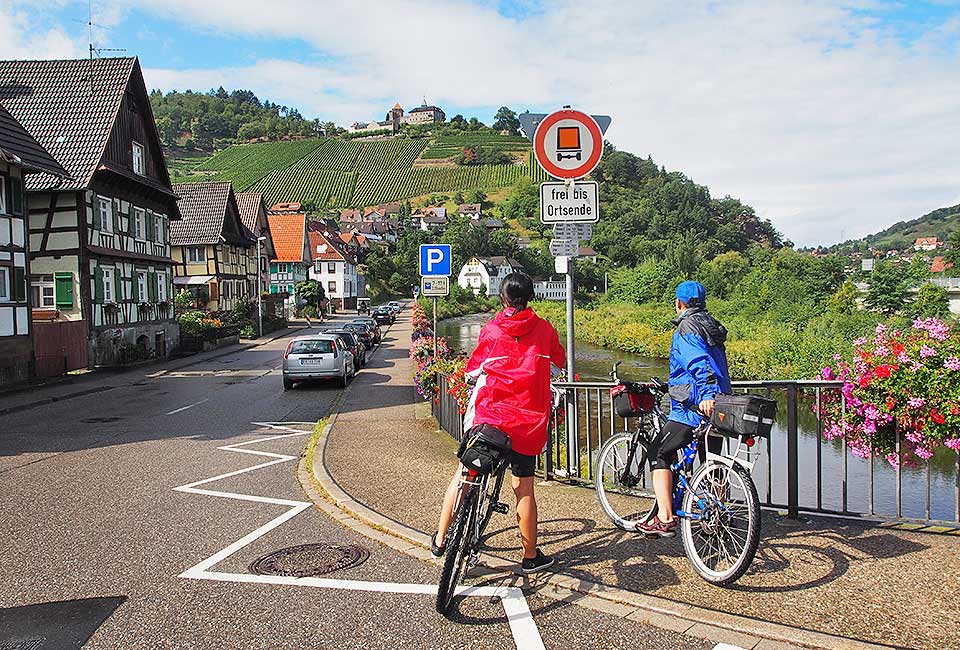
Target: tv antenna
x=92, y=48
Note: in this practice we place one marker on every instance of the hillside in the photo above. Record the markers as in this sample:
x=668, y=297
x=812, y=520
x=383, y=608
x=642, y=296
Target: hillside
x=941, y=223
x=335, y=173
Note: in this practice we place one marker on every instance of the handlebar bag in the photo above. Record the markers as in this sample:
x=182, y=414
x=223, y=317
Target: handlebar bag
x=482, y=447
x=632, y=400
x=744, y=415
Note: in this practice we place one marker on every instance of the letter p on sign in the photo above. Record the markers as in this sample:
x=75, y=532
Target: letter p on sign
x=435, y=259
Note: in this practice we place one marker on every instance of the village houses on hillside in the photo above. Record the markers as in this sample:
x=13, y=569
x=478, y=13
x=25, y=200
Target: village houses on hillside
x=423, y=114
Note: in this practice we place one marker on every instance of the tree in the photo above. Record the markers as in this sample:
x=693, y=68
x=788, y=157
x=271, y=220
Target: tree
x=919, y=268
x=952, y=254
x=311, y=291
x=506, y=120
x=888, y=289
x=844, y=300
x=931, y=301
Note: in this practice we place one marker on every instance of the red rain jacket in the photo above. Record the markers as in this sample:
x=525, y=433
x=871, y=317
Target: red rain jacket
x=513, y=359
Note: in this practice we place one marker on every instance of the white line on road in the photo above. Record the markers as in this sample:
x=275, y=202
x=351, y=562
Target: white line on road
x=188, y=406
x=522, y=626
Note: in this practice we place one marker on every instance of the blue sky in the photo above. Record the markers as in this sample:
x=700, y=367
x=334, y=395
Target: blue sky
x=833, y=119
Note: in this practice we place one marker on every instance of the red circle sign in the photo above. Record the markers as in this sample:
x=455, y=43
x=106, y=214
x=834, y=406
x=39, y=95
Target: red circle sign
x=568, y=144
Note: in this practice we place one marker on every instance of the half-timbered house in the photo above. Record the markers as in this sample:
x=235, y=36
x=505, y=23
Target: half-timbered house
x=253, y=214
x=20, y=154
x=293, y=258
x=108, y=227
x=211, y=247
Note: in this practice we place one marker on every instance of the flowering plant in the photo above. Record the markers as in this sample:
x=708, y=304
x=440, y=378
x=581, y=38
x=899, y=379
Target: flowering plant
x=457, y=382
x=907, y=381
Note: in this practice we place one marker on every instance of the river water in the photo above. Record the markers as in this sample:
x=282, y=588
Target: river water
x=594, y=364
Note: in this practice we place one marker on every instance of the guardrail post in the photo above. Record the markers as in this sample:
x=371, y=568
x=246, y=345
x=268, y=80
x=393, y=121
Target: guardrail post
x=793, y=483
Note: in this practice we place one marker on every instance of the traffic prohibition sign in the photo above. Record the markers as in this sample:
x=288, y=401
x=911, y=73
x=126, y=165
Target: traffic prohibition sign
x=568, y=144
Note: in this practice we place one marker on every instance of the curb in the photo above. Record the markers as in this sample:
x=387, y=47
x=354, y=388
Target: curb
x=715, y=626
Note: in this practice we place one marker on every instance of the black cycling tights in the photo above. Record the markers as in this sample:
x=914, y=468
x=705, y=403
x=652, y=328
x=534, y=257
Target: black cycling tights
x=662, y=450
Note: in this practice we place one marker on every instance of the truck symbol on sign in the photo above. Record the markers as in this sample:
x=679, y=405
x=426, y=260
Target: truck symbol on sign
x=568, y=142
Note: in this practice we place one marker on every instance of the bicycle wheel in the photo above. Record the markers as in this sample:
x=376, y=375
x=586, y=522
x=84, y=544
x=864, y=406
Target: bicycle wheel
x=618, y=487
x=722, y=543
x=458, y=541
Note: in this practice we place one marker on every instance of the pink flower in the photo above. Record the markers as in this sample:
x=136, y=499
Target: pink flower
x=827, y=372
x=923, y=452
x=893, y=460
x=916, y=402
x=881, y=351
x=954, y=444
x=927, y=351
x=953, y=363
x=859, y=342
x=881, y=328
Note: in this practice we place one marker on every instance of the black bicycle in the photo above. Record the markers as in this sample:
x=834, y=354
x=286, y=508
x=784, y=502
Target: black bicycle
x=477, y=500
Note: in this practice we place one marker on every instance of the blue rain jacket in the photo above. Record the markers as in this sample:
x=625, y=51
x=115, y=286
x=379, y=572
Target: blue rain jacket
x=698, y=364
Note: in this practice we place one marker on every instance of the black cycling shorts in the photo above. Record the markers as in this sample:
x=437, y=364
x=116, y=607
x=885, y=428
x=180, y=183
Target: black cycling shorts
x=662, y=450
x=521, y=465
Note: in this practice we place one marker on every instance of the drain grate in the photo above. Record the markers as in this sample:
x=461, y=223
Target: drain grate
x=310, y=560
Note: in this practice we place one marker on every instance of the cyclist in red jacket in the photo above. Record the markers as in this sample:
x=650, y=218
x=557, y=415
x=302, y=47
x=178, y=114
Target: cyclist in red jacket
x=513, y=364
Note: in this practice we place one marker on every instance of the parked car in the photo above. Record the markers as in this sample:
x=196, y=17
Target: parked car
x=363, y=305
x=384, y=315
x=365, y=332
x=317, y=356
x=355, y=343
x=371, y=322
x=395, y=306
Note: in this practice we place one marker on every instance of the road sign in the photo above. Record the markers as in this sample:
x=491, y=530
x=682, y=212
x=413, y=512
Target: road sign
x=432, y=286
x=578, y=203
x=435, y=259
x=564, y=247
x=568, y=144
x=530, y=121
x=570, y=230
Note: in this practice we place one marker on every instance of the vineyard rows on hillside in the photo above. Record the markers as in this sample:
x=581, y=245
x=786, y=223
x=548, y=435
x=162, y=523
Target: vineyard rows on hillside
x=391, y=185
x=317, y=188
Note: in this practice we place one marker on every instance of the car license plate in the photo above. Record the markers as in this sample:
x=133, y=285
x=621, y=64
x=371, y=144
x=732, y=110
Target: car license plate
x=310, y=362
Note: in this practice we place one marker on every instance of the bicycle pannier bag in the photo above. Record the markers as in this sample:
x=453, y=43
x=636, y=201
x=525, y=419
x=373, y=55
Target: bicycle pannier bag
x=744, y=415
x=482, y=448
x=632, y=400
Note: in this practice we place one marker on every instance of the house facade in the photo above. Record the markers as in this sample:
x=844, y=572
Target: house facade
x=484, y=274
x=335, y=269
x=109, y=225
x=550, y=288
x=20, y=154
x=292, y=260
x=212, y=248
x=253, y=215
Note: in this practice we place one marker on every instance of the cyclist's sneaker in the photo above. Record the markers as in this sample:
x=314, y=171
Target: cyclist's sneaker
x=656, y=528
x=437, y=551
x=534, y=565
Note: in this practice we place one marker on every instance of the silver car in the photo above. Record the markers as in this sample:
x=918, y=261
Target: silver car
x=318, y=356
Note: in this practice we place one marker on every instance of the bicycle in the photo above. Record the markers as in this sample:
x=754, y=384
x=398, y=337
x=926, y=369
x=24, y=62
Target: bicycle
x=477, y=500
x=718, y=505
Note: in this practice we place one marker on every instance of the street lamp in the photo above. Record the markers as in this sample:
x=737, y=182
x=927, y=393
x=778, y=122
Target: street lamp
x=260, y=285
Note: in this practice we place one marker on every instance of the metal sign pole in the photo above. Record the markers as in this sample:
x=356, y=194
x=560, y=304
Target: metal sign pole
x=434, y=328
x=573, y=440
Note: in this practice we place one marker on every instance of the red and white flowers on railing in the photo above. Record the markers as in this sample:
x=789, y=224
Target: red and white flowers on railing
x=898, y=380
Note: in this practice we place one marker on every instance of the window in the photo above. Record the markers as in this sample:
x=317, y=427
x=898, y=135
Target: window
x=196, y=254
x=141, y=286
x=138, y=222
x=161, y=287
x=138, y=158
x=41, y=290
x=281, y=268
x=4, y=284
x=106, y=215
x=107, y=285
x=331, y=267
x=332, y=286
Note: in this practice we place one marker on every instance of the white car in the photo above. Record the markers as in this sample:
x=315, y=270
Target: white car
x=317, y=356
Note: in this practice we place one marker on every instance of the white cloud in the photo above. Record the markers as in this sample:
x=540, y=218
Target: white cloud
x=22, y=38
x=816, y=114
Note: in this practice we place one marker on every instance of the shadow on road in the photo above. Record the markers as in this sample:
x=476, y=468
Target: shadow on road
x=63, y=625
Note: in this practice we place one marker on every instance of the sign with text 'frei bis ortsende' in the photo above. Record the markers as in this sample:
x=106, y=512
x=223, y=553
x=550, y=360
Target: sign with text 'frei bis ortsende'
x=435, y=259
x=578, y=203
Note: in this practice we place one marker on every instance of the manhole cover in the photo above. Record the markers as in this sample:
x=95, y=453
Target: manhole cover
x=310, y=560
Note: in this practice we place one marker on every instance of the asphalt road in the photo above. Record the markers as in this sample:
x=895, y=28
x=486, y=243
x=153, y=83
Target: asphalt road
x=95, y=537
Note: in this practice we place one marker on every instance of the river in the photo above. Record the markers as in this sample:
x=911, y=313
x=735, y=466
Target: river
x=593, y=363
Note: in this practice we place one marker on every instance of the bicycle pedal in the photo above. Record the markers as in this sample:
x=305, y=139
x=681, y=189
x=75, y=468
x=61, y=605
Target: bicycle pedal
x=502, y=508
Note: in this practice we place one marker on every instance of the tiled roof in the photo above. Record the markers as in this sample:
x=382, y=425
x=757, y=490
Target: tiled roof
x=16, y=141
x=286, y=206
x=587, y=251
x=288, y=231
x=325, y=249
x=69, y=106
x=249, y=205
x=203, y=207
x=350, y=214
x=939, y=265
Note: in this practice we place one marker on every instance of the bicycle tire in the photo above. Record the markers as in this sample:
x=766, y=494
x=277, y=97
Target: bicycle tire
x=717, y=525
x=490, y=499
x=457, y=543
x=606, y=484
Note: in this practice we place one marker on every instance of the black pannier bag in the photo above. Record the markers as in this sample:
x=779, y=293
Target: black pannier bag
x=744, y=415
x=482, y=447
x=632, y=400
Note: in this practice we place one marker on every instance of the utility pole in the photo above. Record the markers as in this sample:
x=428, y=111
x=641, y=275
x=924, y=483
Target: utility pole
x=260, y=287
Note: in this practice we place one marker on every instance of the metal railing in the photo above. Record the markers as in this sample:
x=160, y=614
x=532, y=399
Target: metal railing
x=798, y=469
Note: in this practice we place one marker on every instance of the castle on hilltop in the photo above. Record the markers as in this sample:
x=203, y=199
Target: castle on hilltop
x=423, y=114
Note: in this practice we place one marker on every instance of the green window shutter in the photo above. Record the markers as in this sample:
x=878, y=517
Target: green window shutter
x=19, y=289
x=149, y=226
x=98, y=285
x=273, y=267
x=16, y=189
x=152, y=287
x=63, y=289
x=117, y=287
x=116, y=216
x=274, y=288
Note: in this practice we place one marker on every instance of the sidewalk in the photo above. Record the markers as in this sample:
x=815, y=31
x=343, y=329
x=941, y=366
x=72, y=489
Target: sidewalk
x=94, y=382
x=825, y=577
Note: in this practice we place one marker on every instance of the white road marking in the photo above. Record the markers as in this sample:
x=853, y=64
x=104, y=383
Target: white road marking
x=522, y=626
x=188, y=406
x=726, y=646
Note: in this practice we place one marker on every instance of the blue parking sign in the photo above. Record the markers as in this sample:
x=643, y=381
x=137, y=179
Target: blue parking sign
x=435, y=259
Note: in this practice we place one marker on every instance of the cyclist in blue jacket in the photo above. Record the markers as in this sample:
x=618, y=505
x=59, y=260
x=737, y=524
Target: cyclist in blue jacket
x=698, y=372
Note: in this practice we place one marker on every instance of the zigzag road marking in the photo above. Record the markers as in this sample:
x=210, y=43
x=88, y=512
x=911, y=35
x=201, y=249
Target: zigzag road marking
x=522, y=626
